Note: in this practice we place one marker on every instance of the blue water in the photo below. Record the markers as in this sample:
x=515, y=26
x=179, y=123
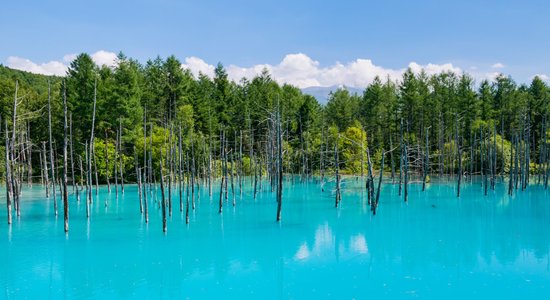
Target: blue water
x=435, y=246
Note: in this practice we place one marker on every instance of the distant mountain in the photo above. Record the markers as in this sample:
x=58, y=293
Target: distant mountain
x=321, y=93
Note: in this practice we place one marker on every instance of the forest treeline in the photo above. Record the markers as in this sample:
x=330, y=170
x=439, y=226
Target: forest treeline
x=444, y=119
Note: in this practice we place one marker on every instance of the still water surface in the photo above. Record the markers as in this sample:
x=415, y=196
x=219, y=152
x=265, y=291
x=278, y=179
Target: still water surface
x=435, y=246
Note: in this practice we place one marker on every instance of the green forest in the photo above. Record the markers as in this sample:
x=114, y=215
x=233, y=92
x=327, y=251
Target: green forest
x=440, y=110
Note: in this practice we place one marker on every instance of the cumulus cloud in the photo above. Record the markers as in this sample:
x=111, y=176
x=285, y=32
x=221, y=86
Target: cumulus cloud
x=498, y=66
x=197, y=66
x=103, y=57
x=302, y=71
x=69, y=58
x=543, y=77
x=49, y=68
x=297, y=69
x=59, y=68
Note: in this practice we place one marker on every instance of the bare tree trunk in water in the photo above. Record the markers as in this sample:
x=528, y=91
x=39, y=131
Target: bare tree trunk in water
x=107, y=163
x=78, y=189
x=426, y=161
x=145, y=166
x=188, y=183
x=279, y=167
x=375, y=202
x=406, y=183
x=162, y=193
x=121, y=157
x=401, y=162
x=370, y=179
x=46, y=175
x=91, y=147
x=180, y=161
x=138, y=177
x=116, y=165
x=15, y=184
x=222, y=150
x=73, y=179
x=88, y=179
x=51, y=149
x=9, y=187
x=65, y=142
x=337, y=168
x=193, y=170
x=459, y=155
x=29, y=155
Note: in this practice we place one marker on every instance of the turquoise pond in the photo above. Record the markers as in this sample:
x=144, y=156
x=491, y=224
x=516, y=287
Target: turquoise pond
x=435, y=246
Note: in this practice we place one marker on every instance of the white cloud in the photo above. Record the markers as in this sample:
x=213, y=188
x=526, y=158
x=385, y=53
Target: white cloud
x=197, y=65
x=58, y=68
x=432, y=69
x=49, y=68
x=103, y=57
x=302, y=71
x=491, y=76
x=296, y=69
x=69, y=58
x=543, y=77
x=358, y=244
x=498, y=66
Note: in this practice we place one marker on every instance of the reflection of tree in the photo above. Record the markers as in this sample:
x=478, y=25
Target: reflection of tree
x=124, y=258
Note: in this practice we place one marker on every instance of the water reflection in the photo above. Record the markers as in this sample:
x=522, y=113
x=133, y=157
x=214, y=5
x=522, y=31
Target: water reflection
x=434, y=245
x=325, y=245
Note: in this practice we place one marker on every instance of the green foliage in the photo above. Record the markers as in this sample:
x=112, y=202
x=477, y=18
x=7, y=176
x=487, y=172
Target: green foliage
x=185, y=117
x=354, y=143
x=342, y=109
x=171, y=97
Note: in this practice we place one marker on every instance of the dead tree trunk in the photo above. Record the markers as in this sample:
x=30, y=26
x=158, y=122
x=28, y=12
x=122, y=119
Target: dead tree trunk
x=279, y=167
x=121, y=156
x=459, y=156
x=73, y=178
x=241, y=166
x=321, y=161
x=29, y=155
x=107, y=163
x=392, y=162
x=46, y=175
x=222, y=150
x=41, y=164
x=380, y=178
x=193, y=172
x=370, y=179
x=81, y=178
x=162, y=193
x=145, y=204
x=511, y=173
x=426, y=162
x=65, y=142
x=13, y=160
x=91, y=152
x=138, y=177
x=9, y=187
x=406, y=183
x=116, y=164
x=180, y=177
x=401, y=162
x=337, y=168
x=170, y=160
x=88, y=179
x=51, y=149
x=232, y=169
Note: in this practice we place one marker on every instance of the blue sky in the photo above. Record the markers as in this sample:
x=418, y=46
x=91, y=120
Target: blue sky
x=479, y=37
